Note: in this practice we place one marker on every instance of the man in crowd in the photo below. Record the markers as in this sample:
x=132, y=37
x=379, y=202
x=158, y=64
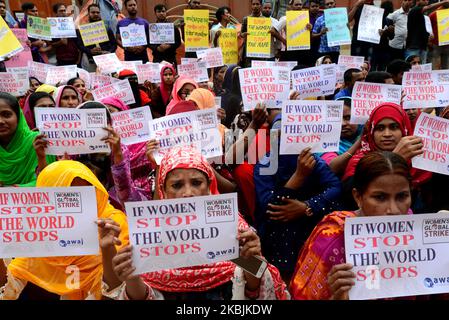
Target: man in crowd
x=351, y=76
x=319, y=31
x=66, y=50
x=9, y=19
x=223, y=16
x=399, y=20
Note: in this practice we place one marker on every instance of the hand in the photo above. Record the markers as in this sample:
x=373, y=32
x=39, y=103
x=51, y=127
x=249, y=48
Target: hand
x=217, y=34
x=39, y=145
x=340, y=280
x=409, y=146
x=163, y=47
x=96, y=51
x=305, y=163
x=221, y=114
x=291, y=209
x=381, y=32
x=88, y=96
x=260, y=116
x=272, y=31
x=123, y=265
x=113, y=139
x=109, y=230
x=390, y=28
x=152, y=146
x=294, y=95
x=244, y=35
x=323, y=31
x=309, y=27
x=249, y=243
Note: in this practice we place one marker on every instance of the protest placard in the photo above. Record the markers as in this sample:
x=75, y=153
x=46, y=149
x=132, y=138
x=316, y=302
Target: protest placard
x=60, y=74
x=370, y=23
x=212, y=56
x=397, y=255
x=195, y=70
x=198, y=129
x=20, y=58
x=85, y=76
x=422, y=67
x=120, y=89
x=258, y=41
x=434, y=132
x=148, y=71
x=228, y=43
x=93, y=33
x=75, y=131
x=298, y=37
x=366, y=96
x=38, y=70
x=48, y=222
x=132, y=125
x=426, y=89
x=131, y=65
x=443, y=26
x=162, y=33
x=270, y=85
x=336, y=21
x=99, y=80
x=10, y=44
x=351, y=61
x=38, y=28
x=167, y=234
x=196, y=30
x=316, y=81
x=15, y=83
x=108, y=63
x=188, y=60
x=133, y=35
x=62, y=27
x=311, y=123
x=264, y=63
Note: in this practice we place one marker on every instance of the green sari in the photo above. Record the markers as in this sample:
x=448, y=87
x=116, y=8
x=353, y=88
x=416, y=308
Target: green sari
x=18, y=161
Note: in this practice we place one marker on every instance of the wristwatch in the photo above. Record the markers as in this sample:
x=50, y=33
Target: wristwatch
x=308, y=211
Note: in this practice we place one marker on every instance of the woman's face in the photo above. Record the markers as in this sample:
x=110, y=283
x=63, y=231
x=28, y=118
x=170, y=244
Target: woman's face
x=69, y=99
x=386, y=195
x=34, y=84
x=387, y=134
x=80, y=86
x=365, y=67
x=8, y=122
x=183, y=183
x=44, y=102
x=412, y=114
x=327, y=61
x=221, y=74
x=415, y=61
x=112, y=109
x=186, y=90
x=169, y=77
x=347, y=130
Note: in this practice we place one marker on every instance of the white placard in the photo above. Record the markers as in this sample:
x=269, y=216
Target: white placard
x=60, y=74
x=422, y=67
x=426, y=89
x=311, y=123
x=38, y=70
x=131, y=65
x=120, y=89
x=196, y=71
x=264, y=63
x=62, y=27
x=133, y=35
x=316, y=81
x=351, y=61
x=213, y=57
x=75, y=131
x=370, y=23
x=85, y=76
x=48, y=222
x=149, y=71
x=168, y=234
x=398, y=255
x=108, y=63
x=162, y=33
x=100, y=80
x=15, y=83
x=132, y=125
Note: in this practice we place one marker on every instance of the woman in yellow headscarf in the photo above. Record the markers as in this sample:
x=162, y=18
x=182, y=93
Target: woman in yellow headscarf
x=59, y=275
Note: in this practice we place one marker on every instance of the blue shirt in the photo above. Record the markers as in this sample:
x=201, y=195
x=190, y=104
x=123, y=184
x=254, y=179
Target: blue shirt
x=320, y=25
x=126, y=22
x=346, y=92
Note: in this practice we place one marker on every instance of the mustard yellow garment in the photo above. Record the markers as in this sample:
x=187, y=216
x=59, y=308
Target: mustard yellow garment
x=52, y=273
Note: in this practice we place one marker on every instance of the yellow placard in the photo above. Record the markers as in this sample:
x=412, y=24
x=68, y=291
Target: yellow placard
x=258, y=41
x=9, y=45
x=93, y=33
x=229, y=46
x=196, y=30
x=443, y=27
x=298, y=37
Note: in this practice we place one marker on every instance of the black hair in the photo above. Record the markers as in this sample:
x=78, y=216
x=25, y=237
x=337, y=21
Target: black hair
x=12, y=102
x=56, y=7
x=220, y=12
x=411, y=57
x=260, y=1
x=159, y=7
x=378, y=77
x=347, y=77
x=126, y=1
x=27, y=6
x=397, y=66
x=92, y=5
x=71, y=82
x=31, y=78
x=36, y=96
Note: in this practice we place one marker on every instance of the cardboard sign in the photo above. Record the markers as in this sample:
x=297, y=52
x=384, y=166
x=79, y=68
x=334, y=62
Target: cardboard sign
x=38, y=28
x=370, y=23
x=131, y=65
x=99, y=80
x=351, y=61
x=48, y=222
x=426, y=89
x=434, y=132
x=196, y=30
x=443, y=27
x=132, y=125
x=422, y=67
x=120, y=89
x=316, y=81
x=21, y=58
x=315, y=124
x=198, y=129
x=75, y=131
x=336, y=21
x=264, y=63
x=168, y=234
x=108, y=63
x=270, y=85
x=258, y=41
x=133, y=35
x=60, y=74
x=93, y=33
x=213, y=57
x=10, y=45
x=148, y=71
x=38, y=70
x=162, y=33
x=298, y=37
x=62, y=27
x=398, y=255
x=228, y=43
x=366, y=96
x=196, y=71
x=14, y=83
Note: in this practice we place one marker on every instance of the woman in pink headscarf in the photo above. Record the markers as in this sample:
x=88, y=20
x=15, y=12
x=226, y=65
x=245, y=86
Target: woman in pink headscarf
x=181, y=90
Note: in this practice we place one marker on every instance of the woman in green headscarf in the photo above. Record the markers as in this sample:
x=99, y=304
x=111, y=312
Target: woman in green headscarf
x=18, y=160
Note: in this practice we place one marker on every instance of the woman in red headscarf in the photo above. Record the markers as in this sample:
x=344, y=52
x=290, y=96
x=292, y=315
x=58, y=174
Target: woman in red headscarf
x=160, y=97
x=220, y=280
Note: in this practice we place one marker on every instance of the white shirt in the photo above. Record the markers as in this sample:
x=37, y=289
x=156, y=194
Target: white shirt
x=399, y=18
